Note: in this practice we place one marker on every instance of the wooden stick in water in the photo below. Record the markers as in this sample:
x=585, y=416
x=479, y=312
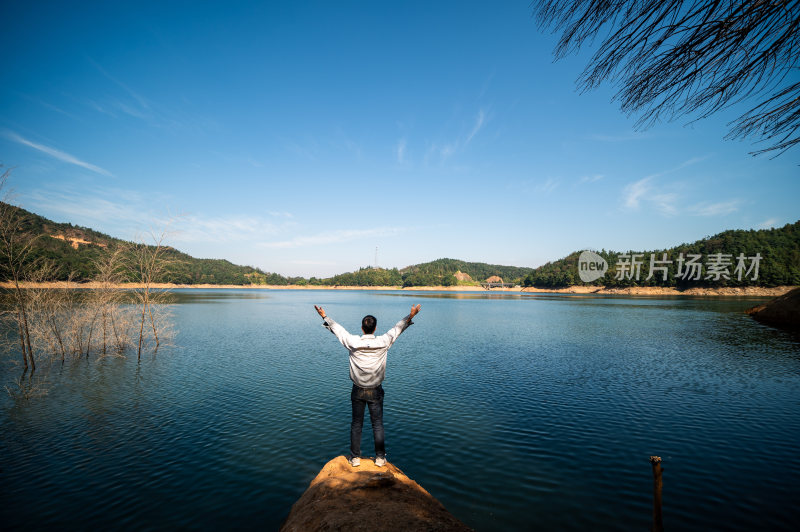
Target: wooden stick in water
x=658, y=525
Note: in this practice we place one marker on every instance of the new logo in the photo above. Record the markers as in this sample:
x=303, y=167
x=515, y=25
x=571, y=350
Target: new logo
x=591, y=266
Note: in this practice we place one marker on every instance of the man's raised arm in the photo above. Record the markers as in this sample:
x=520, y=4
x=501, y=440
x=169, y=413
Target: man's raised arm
x=340, y=332
x=402, y=325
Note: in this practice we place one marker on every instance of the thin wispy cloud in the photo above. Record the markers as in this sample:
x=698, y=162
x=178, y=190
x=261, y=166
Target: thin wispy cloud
x=485, y=85
x=442, y=152
x=48, y=106
x=625, y=137
x=136, y=106
x=714, y=209
x=400, y=151
x=634, y=192
x=307, y=151
x=126, y=214
x=97, y=106
x=768, y=223
x=129, y=110
x=142, y=101
x=548, y=185
x=665, y=203
x=657, y=195
x=445, y=150
x=479, y=121
x=194, y=228
x=129, y=102
x=121, y=217
x=56, y=154
x=343, y=140
x=638, y=192
x=688, y=162
x=236, y=160
x=334, y=237
x=590, y=178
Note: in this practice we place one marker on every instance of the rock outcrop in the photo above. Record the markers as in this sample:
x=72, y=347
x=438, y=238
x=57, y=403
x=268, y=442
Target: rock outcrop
x=461, y=276
x=782, y=312
x=367, y=498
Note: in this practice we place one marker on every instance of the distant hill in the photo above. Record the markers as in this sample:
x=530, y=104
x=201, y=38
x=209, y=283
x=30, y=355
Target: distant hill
x=442, y=272
x=367, y=276
x=779, y=264
x=74, y=249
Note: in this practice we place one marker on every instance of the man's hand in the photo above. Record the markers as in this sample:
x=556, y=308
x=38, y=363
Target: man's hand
x=414, y=311
x=321, y=312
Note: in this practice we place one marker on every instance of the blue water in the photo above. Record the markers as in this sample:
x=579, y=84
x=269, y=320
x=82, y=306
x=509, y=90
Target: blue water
x=516, y=411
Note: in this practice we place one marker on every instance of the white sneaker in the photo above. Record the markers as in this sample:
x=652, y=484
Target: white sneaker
x=355, y=461
x=380, y=461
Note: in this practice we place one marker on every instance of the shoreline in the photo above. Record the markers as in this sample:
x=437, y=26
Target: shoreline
x=577, y=289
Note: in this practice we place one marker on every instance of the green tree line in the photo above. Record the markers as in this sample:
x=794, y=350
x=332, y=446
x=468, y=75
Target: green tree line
x=779, y=265
x=441, y=272
x=366, y=276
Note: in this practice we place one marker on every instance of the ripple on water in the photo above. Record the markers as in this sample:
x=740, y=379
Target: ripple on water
x=516, y=413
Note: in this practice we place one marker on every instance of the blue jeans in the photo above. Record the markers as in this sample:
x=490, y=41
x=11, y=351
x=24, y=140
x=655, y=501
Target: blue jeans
x=361, y=398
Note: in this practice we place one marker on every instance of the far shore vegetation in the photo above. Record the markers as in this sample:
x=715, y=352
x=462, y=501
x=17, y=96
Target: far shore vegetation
x=75, y=253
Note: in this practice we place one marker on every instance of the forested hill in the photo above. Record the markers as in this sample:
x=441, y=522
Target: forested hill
x=441, y=272
x=74, y=251
x=779, y=265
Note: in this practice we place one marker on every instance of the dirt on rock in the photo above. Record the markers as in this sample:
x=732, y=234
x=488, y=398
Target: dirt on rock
x=461, y=276
x=369, y=499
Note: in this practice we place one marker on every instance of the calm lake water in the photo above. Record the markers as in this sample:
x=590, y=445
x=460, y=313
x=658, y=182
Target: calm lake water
x=518, y=412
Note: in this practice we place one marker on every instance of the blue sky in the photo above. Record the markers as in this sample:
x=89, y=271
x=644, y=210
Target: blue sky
x=299, y=136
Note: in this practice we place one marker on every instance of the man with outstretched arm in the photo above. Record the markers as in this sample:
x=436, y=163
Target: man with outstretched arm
x=367, y=371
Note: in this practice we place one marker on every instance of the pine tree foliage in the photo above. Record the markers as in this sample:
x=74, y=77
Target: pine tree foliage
x=670, y=58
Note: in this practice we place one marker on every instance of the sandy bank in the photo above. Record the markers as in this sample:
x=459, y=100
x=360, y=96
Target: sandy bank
x=578, y=289
x=661, y=291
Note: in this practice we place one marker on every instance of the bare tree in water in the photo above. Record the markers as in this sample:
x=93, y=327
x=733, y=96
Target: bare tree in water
x=15, y=248
x=104, y=303
x=50, y=312
x=149, y=264
x=54, y=321
x=675, y=57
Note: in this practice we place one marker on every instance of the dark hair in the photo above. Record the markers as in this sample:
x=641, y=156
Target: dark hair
x=368, y=324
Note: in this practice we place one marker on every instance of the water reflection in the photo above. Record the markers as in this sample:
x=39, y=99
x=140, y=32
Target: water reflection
x=193, y=295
